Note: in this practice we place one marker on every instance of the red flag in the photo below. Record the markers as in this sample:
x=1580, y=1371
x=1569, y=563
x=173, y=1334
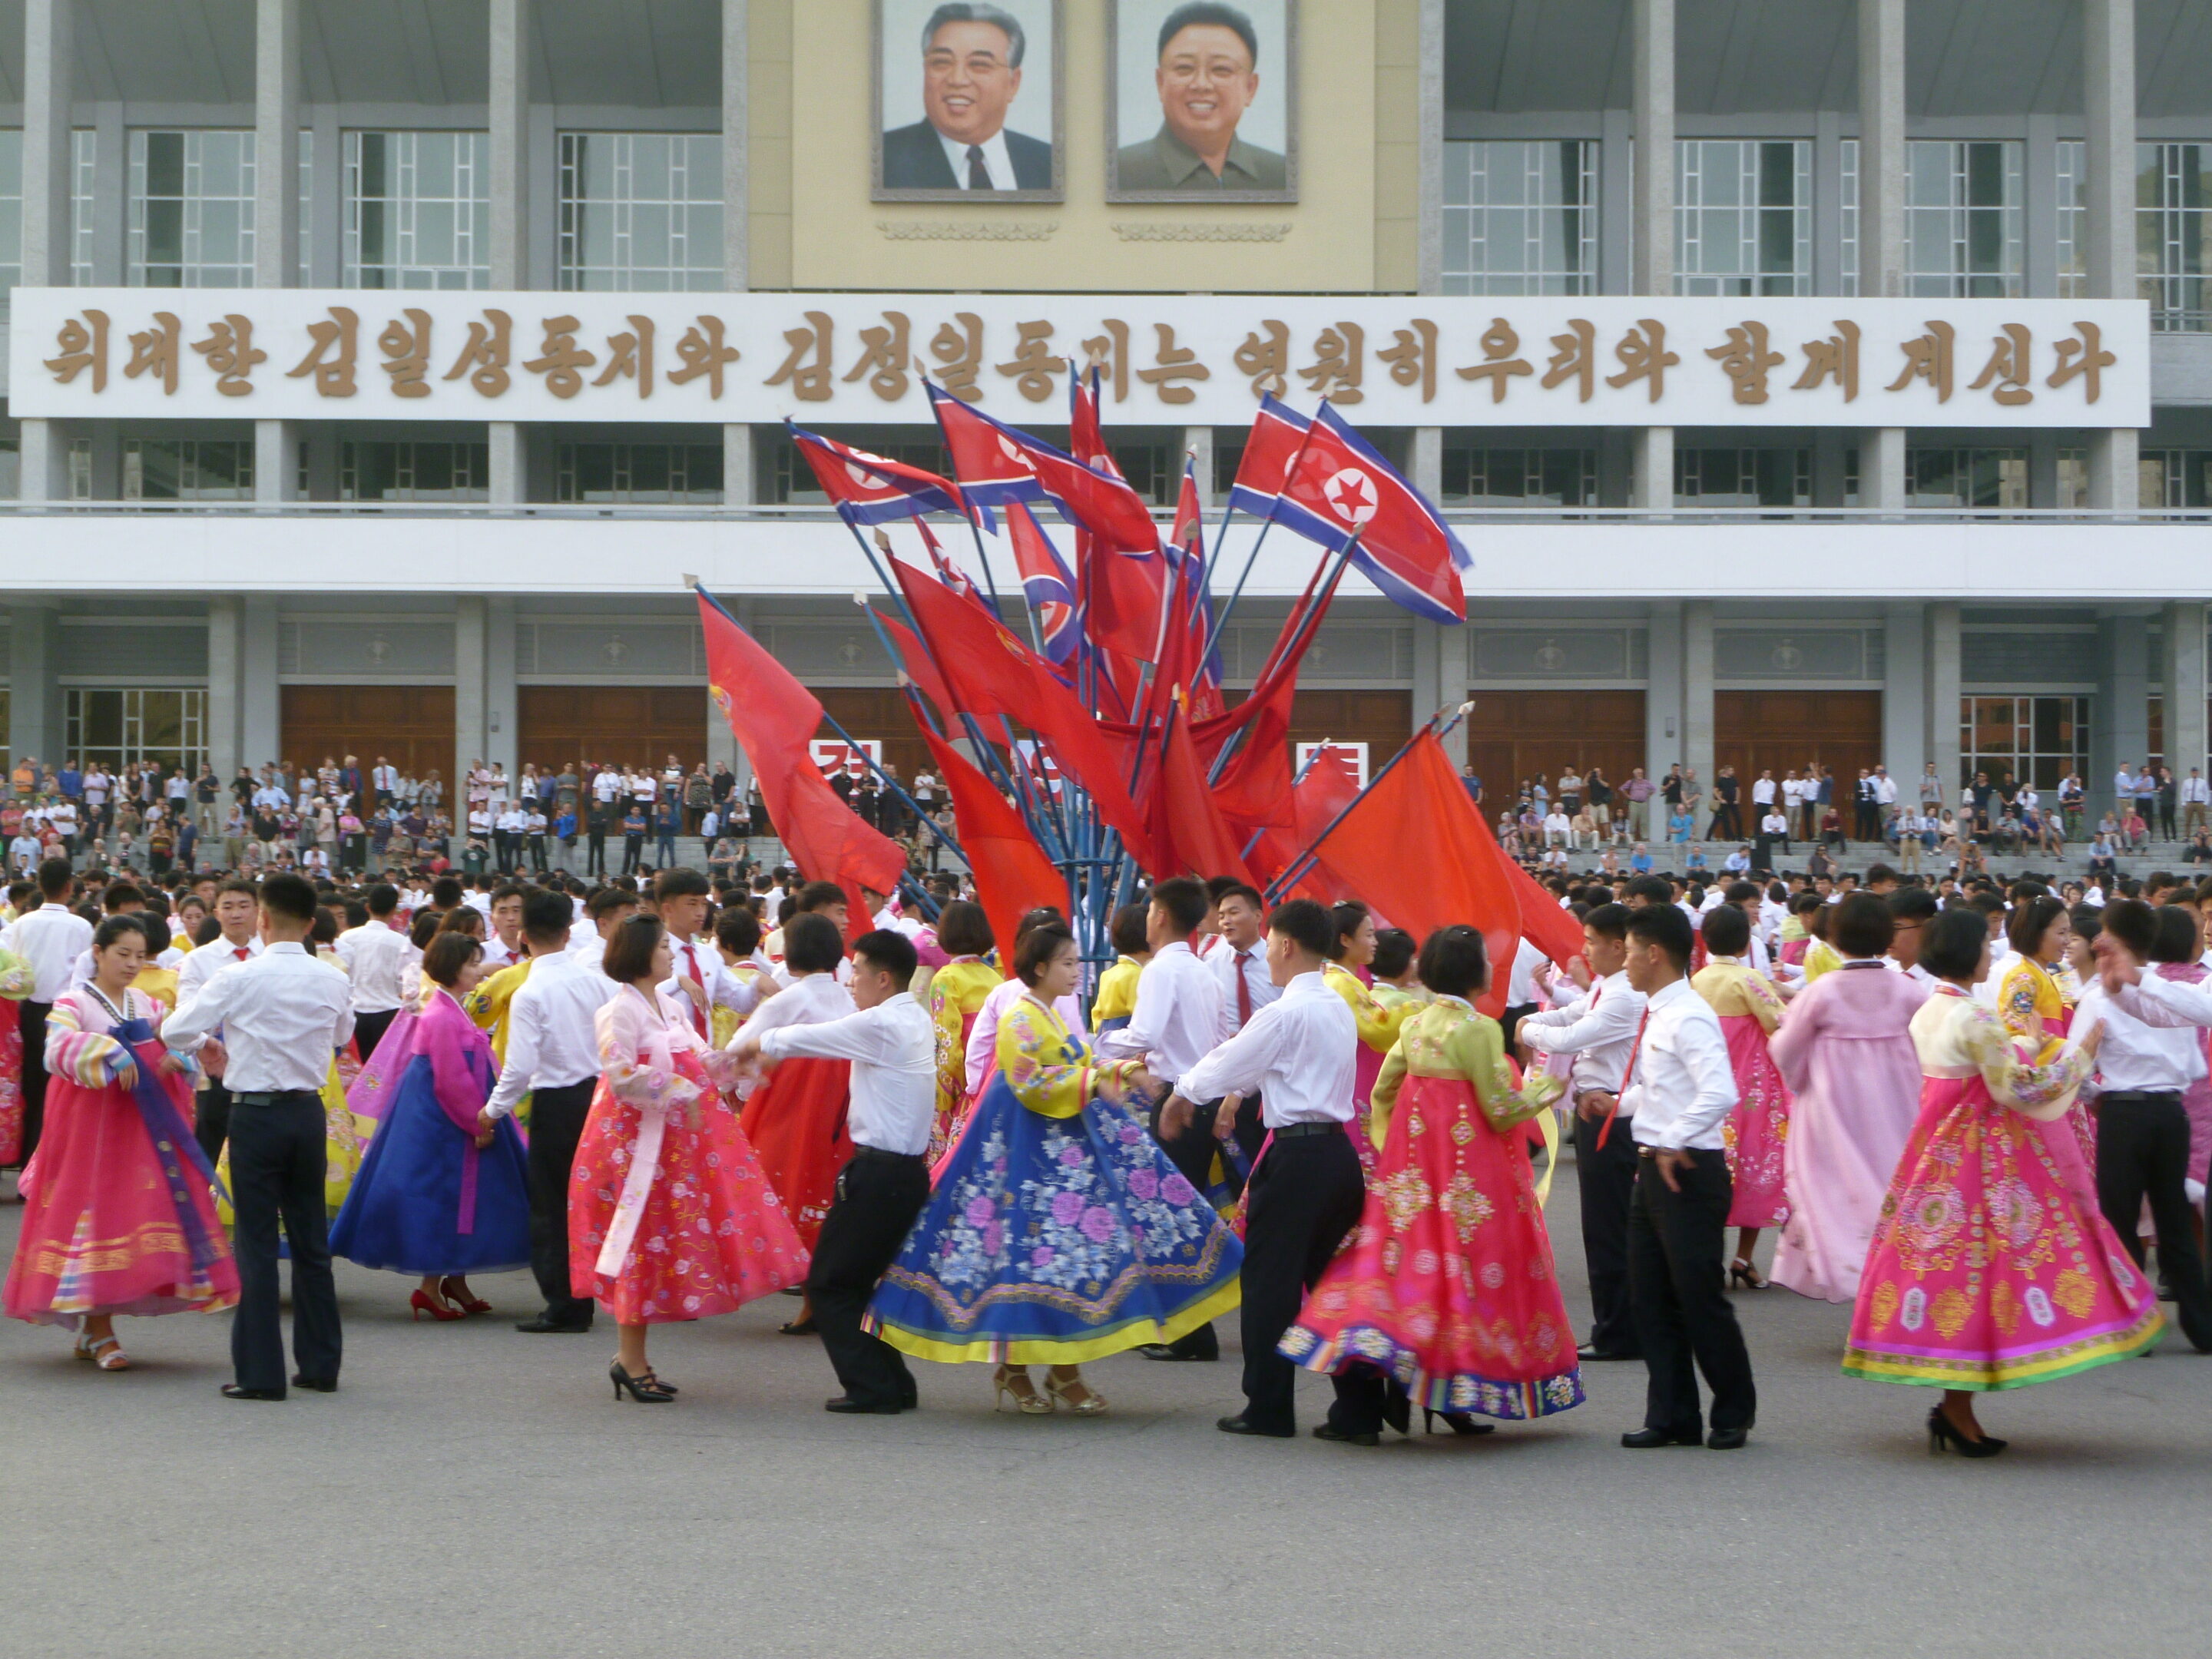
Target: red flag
x=1012, y=875
x=1186, y=818
x=1329, y=786
x=1543, y=923
x=997, y=463
x=1120, y=592
x=915, y=664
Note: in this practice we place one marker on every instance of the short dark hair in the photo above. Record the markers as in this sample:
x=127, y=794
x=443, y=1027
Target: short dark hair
x=1665, y=926
x=2179, y=937
x=155, y=927
x=1737, y=891
x=1305, y=924
x=820, y=895
x=423, y=929
x=1454, y=963
x=447, y=954
x=122, y=896
x=737, y=930
x=1861, y=926
x=978, y=11
x=54, y=876
x=681, y=882
x=446, y=892
x=1038, y=949
x=547, y=916
x=1652, y=889
x=1393, y=953
x=629, y=956
x=463, y=919
x=2134, y=923
x=811, y=945
x=2032, y=918
x=1728, y=931
x=507, y=890
x=1200, y=13
x=1130, y=938
x=1608, y=920
x=115, y=926
x=1185, y=901
x=1243, y=890
x=888, y=949
x=290, y=896
x=964, y=929
x=1912, y=904
x=608, y=900
x=1951, y=947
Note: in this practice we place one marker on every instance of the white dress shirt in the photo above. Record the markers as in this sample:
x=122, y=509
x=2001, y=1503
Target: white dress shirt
x=208, y=960
x=1226, y=965
x=283, y=1014
x=1177, y=1017
x=1521, y=979
x=893, y=1049
x=1682, y=1088
x=551, y=1041
x=1596, y=1028
x=809, y=1001
x=2137, y=1056
x=724, y=989
x=2164, y=1002
x=996, y=161
x=49, y=939
x=374, y=955
x=1299, y=1054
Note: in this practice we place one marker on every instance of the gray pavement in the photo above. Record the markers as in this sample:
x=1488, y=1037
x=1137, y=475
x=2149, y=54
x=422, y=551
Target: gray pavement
x=474, y=1491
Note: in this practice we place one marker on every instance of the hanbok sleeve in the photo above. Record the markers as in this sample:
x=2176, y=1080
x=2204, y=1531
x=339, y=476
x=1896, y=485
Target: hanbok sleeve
x=16, y=979
x=1763, y=1001
x=2039, y=1091
x=461, y=1087
x=1033, y=1056
x=1476, y=1049
x=631, y=1077
x=88, y=1059
x=2016, y=1005
x=1383, y=1097
x=1378, y=1026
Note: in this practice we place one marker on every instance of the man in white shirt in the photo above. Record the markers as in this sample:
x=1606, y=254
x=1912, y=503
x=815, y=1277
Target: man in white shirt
x=283, y=1014
x=374, y=955
x=503, y=934
x=892, y=1044
x=1911, y=909
x=1297, y=1054
x=2196, y=796
x=1240, y=968
x=1677, y=1094
x=49, y=939
x=237, y=913
x=1597, y=1030
x=697, y=980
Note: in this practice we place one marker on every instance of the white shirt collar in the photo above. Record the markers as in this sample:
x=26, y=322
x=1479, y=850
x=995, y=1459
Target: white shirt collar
x=996, y=161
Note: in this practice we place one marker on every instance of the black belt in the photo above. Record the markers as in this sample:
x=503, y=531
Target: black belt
x=2139, y=1094
x=276, y=1097
x=1298, y=1131
x=895, y=1158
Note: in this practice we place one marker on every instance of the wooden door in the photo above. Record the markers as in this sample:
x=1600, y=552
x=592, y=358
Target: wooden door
x=560, y=725
x=1772, y=732
x=1513, y=736
x=410, y=725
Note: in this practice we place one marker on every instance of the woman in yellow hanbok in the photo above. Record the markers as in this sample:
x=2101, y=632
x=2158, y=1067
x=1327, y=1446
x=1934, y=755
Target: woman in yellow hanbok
x=956, y=996
x=1116, y=1001
x=2036, y=997
x=1378, y=1026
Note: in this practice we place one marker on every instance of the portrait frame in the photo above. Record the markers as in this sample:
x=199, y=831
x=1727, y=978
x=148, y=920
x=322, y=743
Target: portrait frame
x=1132, y=26
x=881, y=43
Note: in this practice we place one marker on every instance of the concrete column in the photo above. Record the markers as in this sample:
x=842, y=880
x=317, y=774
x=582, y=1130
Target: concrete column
x=721, y=741
x=1651, y=77
x=740, y=467
x=225, y=618
x=2043, y=445
x=276, y=460
x=736, y=149
x=1828, y=202
x=326, y=199
x=1940, y=631
x=2108, y=109
x=1697, y=729
x=1428, y=461
x=44, y=473
x=260, y=700
x=1662, y=696
x=2184, y=686
x=106, y=438
x=509, y=442
x=275, y=146
x=503, y=735
x=1882, y=214
x=1651, y=467
x=470, y=735
x=1616, y=202
x=1429, y=257
x=1428, y=674
x=2119, y=718
x=1198, y=445
x=49, y=216
x=1455, y=675
x=34, y=697
x=2040, y=224
x=111, y=194
x=1831, y=447
x=1904, y=693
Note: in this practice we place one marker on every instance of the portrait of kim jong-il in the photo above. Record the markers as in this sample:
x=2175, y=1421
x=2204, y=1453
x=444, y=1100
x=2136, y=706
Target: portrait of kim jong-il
x=1202, y=93
x=986, y=71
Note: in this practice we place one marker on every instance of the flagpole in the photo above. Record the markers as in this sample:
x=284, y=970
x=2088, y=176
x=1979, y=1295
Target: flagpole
x=1311, y=607
x=967, y=512
x=1291, y=471
x=1305, y=861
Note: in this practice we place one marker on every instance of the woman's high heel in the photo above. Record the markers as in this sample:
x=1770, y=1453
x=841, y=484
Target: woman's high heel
x=1942, y=1431
x=422, y=1302
x=643, y=1389
x=1031, y=1404
x=1459, y=1421
x=466, y=1304
x=1092, y=1404
x=1741, y=1272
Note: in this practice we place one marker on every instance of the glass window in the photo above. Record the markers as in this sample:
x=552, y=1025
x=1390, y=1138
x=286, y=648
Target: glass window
x=1967, y=478
x=188, y=469
x=1743, y=216
x=84, y=151
x=1743, y=478
x=117, y=727
x=2037, y=739
x=1962, y=219
x=418, y=212
x=2173, y=201
x=638, y=472
x=2072, y=162
x=191, y=209
x=1521, y=216
x=1848, y=195
x=640, y=211
x=411, y=471
x=2177, y=477
x=1520, y=478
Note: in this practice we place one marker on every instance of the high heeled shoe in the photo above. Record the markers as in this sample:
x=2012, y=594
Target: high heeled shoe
x=421, y=1302
x=1031, y=1404
x=1461, y=1423
x=1741, y=1272
x=643, y=1389
x=1091, y=1405
x=466, y=1304
x=1942, y=1431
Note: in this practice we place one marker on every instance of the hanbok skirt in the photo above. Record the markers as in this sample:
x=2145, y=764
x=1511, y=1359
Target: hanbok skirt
x=428, y=1200
x=11, y=1081
x=1758, y=1129
x=794, y=1125
x=1449, y=1284
x=1992, y=1266
x=713, y=1235
x=1054, y=1240
x=117, y=1221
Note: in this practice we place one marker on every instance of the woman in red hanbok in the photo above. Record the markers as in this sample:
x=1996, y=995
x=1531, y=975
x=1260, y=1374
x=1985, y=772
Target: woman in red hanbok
x=16, y=984
x=1749, y=1008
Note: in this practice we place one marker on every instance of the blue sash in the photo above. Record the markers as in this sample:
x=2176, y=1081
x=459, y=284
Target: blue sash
x=172, y=1136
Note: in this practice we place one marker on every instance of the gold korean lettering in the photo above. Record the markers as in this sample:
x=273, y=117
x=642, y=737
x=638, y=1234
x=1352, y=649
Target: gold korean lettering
x=1643, y=356
x=703, y=352
x=631, y=353
x=1836, y=357
x=2085, y=358
x=231, y=353
x=1574, y=353
x=154, y=350
x=1745, y=359
x=330, y=359
x=959, y=354
x=1110, y=352
x=83, y=345
x=563, y=357
x=1339, y=365
x=1499, y=364
x=1035, y=362
x=884, y=357
x=1929, y=358
x=2008, y=367
x=1412, y=357
x=407, y=349
x=1175, y=364
x=484, y=358
x=1266, y=361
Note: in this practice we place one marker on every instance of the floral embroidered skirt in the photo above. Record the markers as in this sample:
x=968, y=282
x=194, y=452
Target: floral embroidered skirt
x=11, y=1081
x=1052, y=1241
x=1758, y=1129
x=1449, y=1284
x=1992, y=1266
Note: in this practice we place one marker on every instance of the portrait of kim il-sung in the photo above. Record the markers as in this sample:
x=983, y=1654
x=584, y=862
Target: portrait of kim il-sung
x=967, y=100
x=1203, y=105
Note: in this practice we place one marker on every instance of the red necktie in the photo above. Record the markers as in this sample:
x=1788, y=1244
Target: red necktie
x=1243, y=989
x=698, y=1009
x=240, y=952
x=1627, y=1072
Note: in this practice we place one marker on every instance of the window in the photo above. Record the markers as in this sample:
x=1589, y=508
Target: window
x=1521, y=216
x=1847, y=196
x=2175, y=478
x=410, y=471
x=417, y=215
x=2173, y=202
x=84, y=151
x=117, y=727
x=1962, y=220
x=188, y=469
x=2037, y=739
x=1967, y=478
x=11, y=208
x=638, y=472
x=1154, y=470
x=2073, y=219
x=1743, y=478
x=191, y=209
x=1520, y=478
x=640, y=211
x=1743, y=216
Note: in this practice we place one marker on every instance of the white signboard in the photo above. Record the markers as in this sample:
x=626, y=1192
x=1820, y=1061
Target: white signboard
x=1352, y=756
x=300, y=354
x=835, y=755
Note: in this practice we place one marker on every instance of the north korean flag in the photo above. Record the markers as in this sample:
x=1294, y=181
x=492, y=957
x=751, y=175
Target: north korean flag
x=997, y=463
x=1046, y=583
x=872, y=488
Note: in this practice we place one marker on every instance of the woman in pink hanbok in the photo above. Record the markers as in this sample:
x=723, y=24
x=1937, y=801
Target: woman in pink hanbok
x=1758, y=1130
x=1846, y=1052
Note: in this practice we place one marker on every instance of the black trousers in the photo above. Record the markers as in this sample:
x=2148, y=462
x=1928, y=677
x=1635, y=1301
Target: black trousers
x=877, y=1198
x=211, y=1118
x=595, y=853
x=368, y=1031
x=2143, y=1152
x=1607, y=1180
x=1725, y=825
x=557, y=1124
x=34, y=1027
x=633, y=854
x=1867, y=825
x=1307, y=1194
x=276, y=1167
x=1682, y=1312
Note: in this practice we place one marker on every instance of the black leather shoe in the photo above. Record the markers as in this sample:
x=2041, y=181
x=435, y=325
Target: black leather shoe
x=236, y=1391
x=1239, y=1425
x=1646, y=1439
x=1590, y=1356
x=1327, y=1431
x=1167, y=1350
x=1727, y=1439
x=845, y=1405
x=317, y=1384
x=1398, y=1408
x=542, y=1326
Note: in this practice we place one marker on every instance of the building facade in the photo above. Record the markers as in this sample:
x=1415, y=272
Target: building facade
x=219, y=556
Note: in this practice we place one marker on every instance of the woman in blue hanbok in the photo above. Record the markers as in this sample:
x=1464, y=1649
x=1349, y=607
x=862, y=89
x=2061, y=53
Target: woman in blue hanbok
x=1059, y=1231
